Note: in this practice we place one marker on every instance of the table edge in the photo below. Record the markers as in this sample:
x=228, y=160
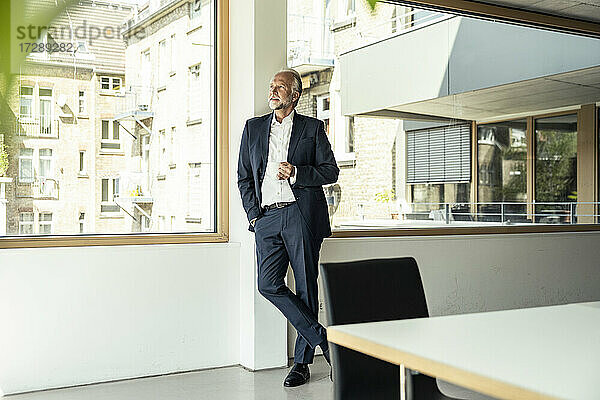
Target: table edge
x=433, y=368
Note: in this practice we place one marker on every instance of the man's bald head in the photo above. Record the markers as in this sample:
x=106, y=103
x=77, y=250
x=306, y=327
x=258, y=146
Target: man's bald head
x=286, y=86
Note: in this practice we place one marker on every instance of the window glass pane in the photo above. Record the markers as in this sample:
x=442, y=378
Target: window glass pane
x=116, y=130
x=104, y=129
x=104, y=98
x=81, y=161
x=555, y=167
x=26, y=91
x=502, y=171
x=104, y=189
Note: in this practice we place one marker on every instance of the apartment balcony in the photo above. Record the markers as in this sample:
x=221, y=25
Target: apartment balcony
x=37, y=127
x=39, y=189
x=429, y=72
x=310, y=43
x=136, y=105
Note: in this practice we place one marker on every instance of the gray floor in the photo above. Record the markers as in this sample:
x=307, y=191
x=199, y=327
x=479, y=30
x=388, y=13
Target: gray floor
x=233, y=383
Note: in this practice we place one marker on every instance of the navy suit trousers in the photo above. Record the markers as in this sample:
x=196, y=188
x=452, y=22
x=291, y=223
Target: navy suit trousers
x=282, y=237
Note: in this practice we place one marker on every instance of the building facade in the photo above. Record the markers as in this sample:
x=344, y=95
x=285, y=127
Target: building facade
x=63, y=175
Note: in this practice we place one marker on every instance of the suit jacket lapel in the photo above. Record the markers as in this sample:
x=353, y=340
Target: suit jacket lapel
x=297, y=130
x=265, y=131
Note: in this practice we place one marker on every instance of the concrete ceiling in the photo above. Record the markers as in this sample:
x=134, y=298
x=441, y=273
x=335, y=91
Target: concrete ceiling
x=587, y=10
x=536, y=95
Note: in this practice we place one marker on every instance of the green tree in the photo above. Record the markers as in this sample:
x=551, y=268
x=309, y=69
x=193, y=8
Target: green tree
x=556, y=165
x=3, y=159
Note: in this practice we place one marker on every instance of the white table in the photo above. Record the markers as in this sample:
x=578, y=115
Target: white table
x=535, y=353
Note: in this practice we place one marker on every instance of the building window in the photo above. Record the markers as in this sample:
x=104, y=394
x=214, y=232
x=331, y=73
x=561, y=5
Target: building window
x=26, y=102
x=323, y=113
x=26, y=165
x=195, y=94
x=195, y=9
x=45, y=223
x=502, y=170
x=110, y=135
x=555, y=167
x=162, y=156
x=349, y=137
x=195, y=196
x=82, y=169
x=162, y=62
x=173, y=53
x=110, y=191
x=81, y=47
x=110, y=83
x=439, y=155
x=81, y=222
x=26, y=223
x=45, y=95
x=82, y=105
x=45, y=170
x=171, y=147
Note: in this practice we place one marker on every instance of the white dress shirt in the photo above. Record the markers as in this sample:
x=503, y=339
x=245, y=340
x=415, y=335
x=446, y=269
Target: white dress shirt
x=275, y=190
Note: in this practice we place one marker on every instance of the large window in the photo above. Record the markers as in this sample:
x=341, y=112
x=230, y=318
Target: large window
x=555, y=168
x=502, y=171
x=444, y=121
x=112, y=142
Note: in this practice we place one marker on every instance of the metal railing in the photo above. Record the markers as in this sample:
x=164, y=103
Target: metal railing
x=38, y=188
x=37, y=126
x=309, y=39
x=504, y=212
x=136, y=98
x=405, y=22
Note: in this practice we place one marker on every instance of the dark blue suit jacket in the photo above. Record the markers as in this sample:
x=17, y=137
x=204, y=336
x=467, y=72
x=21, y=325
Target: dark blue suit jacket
x=309, y=151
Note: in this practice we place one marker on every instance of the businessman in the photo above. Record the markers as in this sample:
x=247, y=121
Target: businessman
x=284, y=160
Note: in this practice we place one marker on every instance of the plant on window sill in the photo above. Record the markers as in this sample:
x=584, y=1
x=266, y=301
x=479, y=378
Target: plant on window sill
x=386, y=197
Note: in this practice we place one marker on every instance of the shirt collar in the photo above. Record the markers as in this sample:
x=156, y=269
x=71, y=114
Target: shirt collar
x=285, y=121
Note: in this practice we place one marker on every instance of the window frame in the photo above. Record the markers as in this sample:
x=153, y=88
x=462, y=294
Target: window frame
x=31, y=99
x=44, y=222
x=111, y=195
x=111, y=82
x=30, y=158
x=28, y=223
x=483, y=230
x=221, y=211
x=82, y=108
x=111, y=140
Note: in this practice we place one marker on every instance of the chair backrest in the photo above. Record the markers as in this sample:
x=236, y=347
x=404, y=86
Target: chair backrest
x=373, y=290
x=366, y=291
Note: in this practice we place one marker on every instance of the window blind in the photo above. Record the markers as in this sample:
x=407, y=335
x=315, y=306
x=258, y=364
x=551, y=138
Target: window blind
x=440, y=154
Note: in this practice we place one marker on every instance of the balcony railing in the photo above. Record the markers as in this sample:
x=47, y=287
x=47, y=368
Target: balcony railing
x=310, y=41
x=38, y=188
x=39, y=126
x=135, y=98
x=476, y=214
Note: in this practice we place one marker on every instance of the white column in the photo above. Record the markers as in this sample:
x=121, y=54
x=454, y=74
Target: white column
x=257, y=30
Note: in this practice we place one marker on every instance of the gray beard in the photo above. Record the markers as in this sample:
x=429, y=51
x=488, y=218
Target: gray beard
x=283, y=104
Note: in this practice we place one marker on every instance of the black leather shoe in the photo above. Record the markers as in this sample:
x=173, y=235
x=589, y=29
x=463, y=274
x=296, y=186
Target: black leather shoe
x=298, y=375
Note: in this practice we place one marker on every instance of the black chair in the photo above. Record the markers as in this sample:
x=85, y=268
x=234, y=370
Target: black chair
x=367, y=291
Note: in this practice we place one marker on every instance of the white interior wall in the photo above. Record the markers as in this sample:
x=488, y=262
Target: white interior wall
x=72, y=316
x=464, y=274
